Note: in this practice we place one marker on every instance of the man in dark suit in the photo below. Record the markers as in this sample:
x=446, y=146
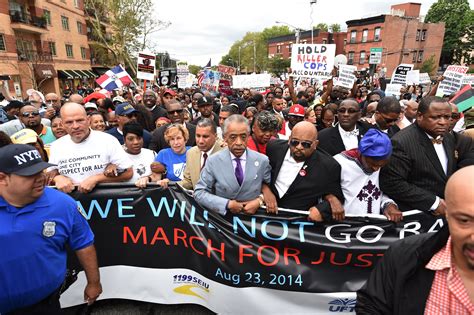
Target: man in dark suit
x=175, y=112
x=303, y=177
x=424, y=157
x=386, y=115
x=156, y=110
x=347, y=133
x=205, y=106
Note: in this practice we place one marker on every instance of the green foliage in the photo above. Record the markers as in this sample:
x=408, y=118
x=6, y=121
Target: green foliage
x=194, y=69
x=429, y=66
x=323, y=27
x=335, y=27
x=459, y=24
x=278, y=65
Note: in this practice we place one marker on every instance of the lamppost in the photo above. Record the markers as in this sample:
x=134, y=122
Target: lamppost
x=311, y=2
x=238, y=69
x=297, y=30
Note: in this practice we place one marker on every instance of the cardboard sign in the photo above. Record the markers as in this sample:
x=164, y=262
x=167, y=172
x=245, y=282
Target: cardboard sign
x=251, y=81
x=182, y=72
x=393, y=89
x=400, y=75
x=346, y=76
x=313, y=61
x=146, y=66
x=453, y=80
x=424, y=78
x=468, y=79
x=413, y=77
x=226, y=69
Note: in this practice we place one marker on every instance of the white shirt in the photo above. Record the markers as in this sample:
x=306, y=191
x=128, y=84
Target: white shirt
x=141, y=164
x=443, y=159
x=209, y=154
x=349, y=138
x=243, y=161
x=288, y=172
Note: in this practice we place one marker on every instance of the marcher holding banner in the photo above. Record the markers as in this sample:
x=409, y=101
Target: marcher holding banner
x=37, y=223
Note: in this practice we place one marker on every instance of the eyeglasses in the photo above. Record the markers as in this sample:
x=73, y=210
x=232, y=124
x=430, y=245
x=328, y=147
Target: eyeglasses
x=455, y=115
x=53, y=101
x=28, y=114
x=304, y=144
x=178, y=111
x=348, y=110
x=388, y=120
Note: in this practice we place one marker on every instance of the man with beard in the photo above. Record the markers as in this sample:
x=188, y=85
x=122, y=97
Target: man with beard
x=264, y=127
x=295, y=115
x=205, y=106
x=30, y=118
x=430, y=273
x=149, y=100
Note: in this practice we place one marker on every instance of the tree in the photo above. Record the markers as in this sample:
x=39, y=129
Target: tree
x=130, y=23
x=335, y=27
x=459, y=27
x=323, y=27
x=429, y=66
x=278, y=65
x=194, y=69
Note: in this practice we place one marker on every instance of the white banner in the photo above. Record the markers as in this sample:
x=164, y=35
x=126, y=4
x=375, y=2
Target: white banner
x=251, y=81
x=400, y=74
x=346, y=76
x=314, y=61
x=182, y=72
x=146, y=66
x=393, y=90
x=413, y=77
x=425, y=78
x=453, y=80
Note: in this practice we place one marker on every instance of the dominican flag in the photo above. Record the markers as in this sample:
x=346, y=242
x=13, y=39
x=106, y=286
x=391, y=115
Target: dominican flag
x=114, y=78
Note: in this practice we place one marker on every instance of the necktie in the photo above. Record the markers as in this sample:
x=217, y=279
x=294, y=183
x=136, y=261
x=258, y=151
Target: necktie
x=204, y=159
x=239, y=173
x=438, y=140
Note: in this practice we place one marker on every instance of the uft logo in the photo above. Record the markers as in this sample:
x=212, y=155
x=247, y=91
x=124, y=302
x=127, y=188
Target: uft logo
x=342, y=305
x=49, y=228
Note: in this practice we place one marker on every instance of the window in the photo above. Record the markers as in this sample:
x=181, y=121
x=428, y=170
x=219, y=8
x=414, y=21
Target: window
x=420, y=56
x=69, y=52
x=350, y=58
x=365, y=33
x=362, y=57
x=325, y=41
x=3, y=47
x=83, y=53
x=345, y=42
x=423, y=35
x=290, y=47
x=278, y=49
x=414, y=56
x=79, y=27
x=52, y=48
x=47, y=17
x=353, y=37
x=65, y=22
x=76, y=3
x=418, y=32
x=377, y=34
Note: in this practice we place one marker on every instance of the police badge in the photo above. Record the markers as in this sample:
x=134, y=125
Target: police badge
x=49, y=228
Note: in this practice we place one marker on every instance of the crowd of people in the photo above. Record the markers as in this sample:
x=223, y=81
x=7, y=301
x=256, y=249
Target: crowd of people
x=324, y=149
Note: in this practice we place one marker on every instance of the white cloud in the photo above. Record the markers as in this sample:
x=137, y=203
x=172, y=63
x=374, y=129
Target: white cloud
x=206, y=29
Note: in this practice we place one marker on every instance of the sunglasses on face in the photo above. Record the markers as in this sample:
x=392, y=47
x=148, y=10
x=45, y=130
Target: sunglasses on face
x=304, y=144
x=389, y=121
x=178, y=111
x=348, y=110
x=28, y=114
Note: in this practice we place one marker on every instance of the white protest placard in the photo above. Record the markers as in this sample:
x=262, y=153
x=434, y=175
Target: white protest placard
x=251, y=81
x=400, y=74
x=313, y=61
x=146, y=66
x=393, y=89
x=425, y=78
x=413, y=77
x=182, y=72
x=346, y=76
x=453, y=80
x=468, y=79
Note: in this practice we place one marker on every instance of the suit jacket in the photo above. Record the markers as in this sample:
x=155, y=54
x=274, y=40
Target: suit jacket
x=218, y=183
x=323, y=177
x=158, y=141
x=414, y=176
x=192, y=170
x=330, y=139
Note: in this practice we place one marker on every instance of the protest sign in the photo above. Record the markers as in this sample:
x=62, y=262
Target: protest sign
x=182, y=72
x=346, y=76
x=393, y=90
x=375, y=55
x=251, y=81
x=413, y=77
x=146, y=66
x=400, y=75
x=453, y=79
x=209, y=80
x=160, y=246
x=468, y=79
x=314, y=61
x=424, y=78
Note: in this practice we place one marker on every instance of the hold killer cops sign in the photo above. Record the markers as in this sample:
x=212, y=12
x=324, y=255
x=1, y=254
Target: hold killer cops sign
x=312, y=60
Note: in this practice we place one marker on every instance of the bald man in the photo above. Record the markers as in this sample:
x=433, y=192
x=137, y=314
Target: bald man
x=303, y=177
x=76, y=98
x=82, y=156
x=429, y=273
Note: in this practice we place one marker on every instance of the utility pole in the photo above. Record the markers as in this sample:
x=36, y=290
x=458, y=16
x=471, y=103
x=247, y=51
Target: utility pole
x=238, y=70
x=254, y=56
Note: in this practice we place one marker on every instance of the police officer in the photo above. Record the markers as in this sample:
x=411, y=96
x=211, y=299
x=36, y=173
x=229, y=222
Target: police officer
x=36, y=223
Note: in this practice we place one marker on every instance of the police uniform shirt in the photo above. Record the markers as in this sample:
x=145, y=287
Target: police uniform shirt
x=33, y=252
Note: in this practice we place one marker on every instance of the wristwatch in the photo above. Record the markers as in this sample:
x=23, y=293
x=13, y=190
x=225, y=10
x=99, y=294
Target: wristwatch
x=261, y=200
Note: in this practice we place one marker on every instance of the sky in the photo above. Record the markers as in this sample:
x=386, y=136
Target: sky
x=206, y=29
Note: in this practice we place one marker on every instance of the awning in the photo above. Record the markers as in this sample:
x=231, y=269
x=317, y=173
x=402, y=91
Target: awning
x=77, y=74
x=45, y=71
x=66, y=74
x=90, y=73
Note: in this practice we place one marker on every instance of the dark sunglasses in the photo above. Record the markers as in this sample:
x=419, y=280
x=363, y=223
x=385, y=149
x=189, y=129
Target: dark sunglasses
x=28, y=114
x=304, y=144
x=388, y=120
x=349, y=110
x=178, y=111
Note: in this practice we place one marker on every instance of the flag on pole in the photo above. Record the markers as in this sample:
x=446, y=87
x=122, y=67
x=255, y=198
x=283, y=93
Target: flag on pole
x=208, y=66
x=114, y=78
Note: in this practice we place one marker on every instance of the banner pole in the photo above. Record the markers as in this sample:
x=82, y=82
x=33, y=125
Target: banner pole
x=144, y=85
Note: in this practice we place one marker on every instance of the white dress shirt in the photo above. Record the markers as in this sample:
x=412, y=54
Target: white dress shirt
x=443, y=159
x=208, y=154
x=288, y=172
x=243, y=161
x=349, y=138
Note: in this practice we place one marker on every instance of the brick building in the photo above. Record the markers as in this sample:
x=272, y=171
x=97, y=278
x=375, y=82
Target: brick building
x=402, y=35
x=281, y=45
x=44, y=45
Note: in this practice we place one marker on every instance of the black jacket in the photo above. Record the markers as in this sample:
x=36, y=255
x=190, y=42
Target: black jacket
x=330, y=139
x=322, y=176
x=400, y=283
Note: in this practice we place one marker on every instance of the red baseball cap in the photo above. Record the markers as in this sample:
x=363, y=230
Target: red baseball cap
x=296, y=110
x=169, y=91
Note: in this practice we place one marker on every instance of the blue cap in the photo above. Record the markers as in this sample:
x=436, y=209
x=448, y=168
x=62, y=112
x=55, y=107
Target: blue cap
x=375, y=144
x=124, y=109
x=21, y=159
